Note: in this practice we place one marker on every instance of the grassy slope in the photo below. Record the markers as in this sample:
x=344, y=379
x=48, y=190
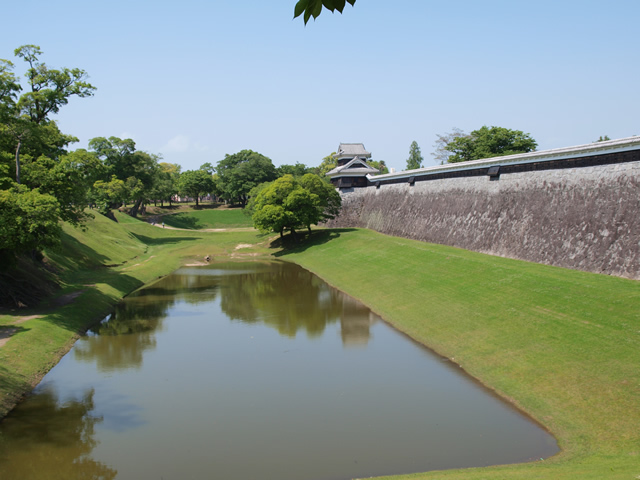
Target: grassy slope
x=210, y=218
x=561, y=344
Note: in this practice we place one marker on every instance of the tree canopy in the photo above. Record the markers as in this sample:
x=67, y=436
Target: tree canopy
x=136, y=168
x=289, y=203
x=41, y=182
x=489, y=142
x=195, y=183
x=415, y=157
x=239, y=173
x=313, y=8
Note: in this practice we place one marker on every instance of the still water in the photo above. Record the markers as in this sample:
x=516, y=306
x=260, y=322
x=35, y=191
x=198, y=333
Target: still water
x=255, y=371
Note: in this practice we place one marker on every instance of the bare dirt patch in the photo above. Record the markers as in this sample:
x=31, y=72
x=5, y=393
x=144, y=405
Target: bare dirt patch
x=5, y=334
x=67, y=299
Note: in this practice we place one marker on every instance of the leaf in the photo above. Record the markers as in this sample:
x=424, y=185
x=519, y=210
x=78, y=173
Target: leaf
x=307, y=15
x=351, y=2
x=316, y=8
x=339, y=5
x=300, y=7
x=330, y=4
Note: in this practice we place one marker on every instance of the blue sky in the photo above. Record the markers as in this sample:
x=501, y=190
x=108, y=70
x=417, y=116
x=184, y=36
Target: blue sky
x=193, y=80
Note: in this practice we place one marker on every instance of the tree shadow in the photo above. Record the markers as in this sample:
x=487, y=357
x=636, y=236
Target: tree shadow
x=161, y=241
x=180, y=220
x=83, y=256
x=304, y=240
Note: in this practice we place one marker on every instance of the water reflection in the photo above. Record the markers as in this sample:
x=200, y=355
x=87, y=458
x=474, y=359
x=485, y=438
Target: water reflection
x=290, y=300
x=47, y=432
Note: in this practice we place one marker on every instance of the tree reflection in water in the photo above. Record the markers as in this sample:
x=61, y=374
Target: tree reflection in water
x=43, y=431
x=291, y=299
x=137, y=318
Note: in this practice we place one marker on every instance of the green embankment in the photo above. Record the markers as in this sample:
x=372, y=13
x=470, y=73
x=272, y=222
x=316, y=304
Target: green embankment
x=562, y=345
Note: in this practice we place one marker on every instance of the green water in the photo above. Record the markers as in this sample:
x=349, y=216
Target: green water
x=255, y=371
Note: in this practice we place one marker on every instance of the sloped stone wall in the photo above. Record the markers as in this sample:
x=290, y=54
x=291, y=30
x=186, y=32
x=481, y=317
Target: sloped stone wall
x=582, y=218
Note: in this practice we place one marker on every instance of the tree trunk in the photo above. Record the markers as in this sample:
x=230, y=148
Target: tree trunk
x=135, y=208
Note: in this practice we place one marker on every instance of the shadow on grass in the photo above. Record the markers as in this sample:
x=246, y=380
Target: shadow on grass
x=304, y=240
x=180, y=220
x=163, y=240
x=75, y=255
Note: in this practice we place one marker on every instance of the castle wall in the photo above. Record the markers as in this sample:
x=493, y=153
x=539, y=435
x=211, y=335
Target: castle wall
x=585, y=218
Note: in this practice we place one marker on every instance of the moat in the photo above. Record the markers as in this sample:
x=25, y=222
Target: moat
x=256, y=370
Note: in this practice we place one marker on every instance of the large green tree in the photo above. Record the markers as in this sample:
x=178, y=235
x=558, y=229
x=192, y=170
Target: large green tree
x=489, y=142
x=195, y=183
x=134, y=167
x=239, y=173
x=289, y=204
x=415, y=157
x=40, y=181
x=47, y=90
x=165, y=182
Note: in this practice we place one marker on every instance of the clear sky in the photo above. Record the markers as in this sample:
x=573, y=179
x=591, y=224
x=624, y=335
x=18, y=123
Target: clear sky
x=193, y=80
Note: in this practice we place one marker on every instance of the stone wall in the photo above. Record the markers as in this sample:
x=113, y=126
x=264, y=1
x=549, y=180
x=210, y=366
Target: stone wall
x=585, y=218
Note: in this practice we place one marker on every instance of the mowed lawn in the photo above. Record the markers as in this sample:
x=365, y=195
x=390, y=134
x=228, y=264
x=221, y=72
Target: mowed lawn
x=209, y=219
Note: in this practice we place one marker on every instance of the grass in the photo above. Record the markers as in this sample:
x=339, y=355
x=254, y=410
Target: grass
x=562, y=345
x=208, y=219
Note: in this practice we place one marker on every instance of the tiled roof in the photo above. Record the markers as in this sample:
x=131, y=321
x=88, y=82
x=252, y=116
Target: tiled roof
x=352, y=149
x=355, y=166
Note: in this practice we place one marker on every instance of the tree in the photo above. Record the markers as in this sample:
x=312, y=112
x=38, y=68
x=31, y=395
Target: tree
x=136, y=168
x=195, y=183
x=165, y=182
x=297, y=170
x=106, y=195
x=602, y=139
x=415, y=157
x=68, y=179
x=28, y=222
x=380, y=165
x=328, y=163
x=441, y=154
x=289, y=203
x=53, y=184
x=313, y=8
x=489, y=142
x=49, y=89
x=242, y=171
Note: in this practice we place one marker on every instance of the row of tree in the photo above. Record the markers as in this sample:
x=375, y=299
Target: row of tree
x=43, y=183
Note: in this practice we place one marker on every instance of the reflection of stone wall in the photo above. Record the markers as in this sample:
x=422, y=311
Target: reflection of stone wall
x=584, y=218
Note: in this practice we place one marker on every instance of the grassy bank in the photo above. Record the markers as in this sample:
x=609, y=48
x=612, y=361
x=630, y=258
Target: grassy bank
x=562, y=345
